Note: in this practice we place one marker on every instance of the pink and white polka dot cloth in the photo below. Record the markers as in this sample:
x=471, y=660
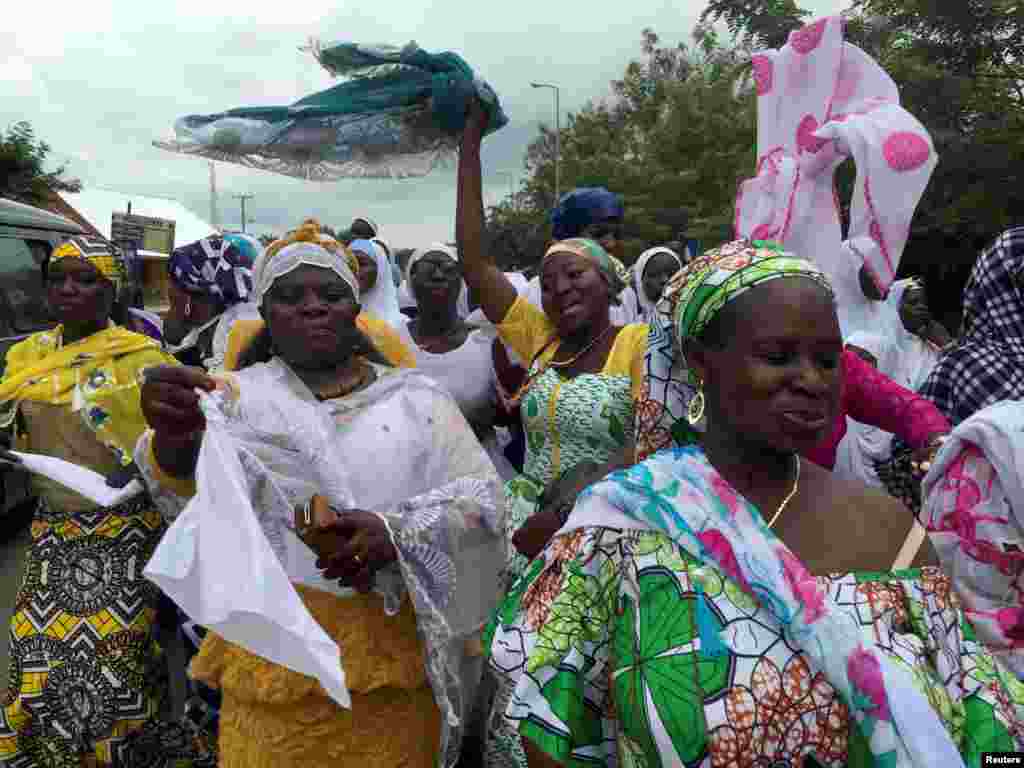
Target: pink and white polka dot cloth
x=821, y=100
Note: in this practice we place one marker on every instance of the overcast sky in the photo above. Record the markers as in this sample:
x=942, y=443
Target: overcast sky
x=100, y=80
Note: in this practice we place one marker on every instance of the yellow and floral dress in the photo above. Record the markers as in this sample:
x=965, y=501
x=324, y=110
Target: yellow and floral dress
x=87, y=677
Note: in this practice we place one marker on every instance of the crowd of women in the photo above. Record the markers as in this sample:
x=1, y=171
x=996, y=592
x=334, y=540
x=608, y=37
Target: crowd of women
x=678, y=514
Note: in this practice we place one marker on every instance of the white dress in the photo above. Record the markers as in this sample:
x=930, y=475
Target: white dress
x=468, y=374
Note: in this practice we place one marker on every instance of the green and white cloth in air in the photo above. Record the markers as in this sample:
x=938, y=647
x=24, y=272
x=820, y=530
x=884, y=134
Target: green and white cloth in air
x=399, y=113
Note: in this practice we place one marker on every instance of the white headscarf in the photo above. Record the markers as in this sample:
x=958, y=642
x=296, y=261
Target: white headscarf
x=273, y=265
x=463, y=303
x=381, y=300
x=910, y=358
x=646, y=305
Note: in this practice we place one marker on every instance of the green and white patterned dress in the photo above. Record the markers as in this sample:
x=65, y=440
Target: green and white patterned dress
x=625, y=649
x=567, y=421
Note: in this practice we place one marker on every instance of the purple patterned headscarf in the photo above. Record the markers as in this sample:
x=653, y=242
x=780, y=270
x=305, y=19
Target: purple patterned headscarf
x=214, y=267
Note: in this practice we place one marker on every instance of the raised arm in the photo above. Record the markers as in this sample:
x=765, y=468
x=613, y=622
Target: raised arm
x=874, y=399
x=487, y=284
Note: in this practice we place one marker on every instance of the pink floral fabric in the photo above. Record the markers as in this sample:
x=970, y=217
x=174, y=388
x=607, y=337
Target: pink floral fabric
x=973, y=509
x=820, y=101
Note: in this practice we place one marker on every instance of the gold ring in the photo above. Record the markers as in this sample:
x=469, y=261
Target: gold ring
x=357, y=559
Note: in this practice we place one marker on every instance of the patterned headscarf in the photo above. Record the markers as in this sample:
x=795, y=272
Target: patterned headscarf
x=985, y=365
x=582, y=207
x=93, y=251
x=214, y=267
x=691, y=301
x=250, y=248
x=612, y=269
x=304, y=246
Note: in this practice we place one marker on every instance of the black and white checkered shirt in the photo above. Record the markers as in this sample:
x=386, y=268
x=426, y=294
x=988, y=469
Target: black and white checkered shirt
x=987, y=363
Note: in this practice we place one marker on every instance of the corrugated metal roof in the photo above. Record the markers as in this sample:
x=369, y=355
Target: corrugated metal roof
x=98, y=205
x=17, y=214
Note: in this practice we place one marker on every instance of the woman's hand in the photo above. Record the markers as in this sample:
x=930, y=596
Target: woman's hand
x=867, y=285
x=536, y=532
x=555, y=504
x=171, y=407
x=924, y=457
x=169, y=400
x=366, y=548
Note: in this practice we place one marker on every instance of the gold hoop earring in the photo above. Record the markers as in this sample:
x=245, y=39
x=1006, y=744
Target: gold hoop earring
x=695, y=410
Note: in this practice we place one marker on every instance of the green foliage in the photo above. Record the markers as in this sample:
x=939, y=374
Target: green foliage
x=674, y=138
x=22, y=167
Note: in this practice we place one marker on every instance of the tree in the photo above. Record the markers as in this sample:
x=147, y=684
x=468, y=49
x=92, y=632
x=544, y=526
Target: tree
x=674, y=137
x=22, y=168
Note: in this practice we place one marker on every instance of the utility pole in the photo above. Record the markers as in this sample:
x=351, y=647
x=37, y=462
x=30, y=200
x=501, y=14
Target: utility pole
x=243, y=198
x=214, y=215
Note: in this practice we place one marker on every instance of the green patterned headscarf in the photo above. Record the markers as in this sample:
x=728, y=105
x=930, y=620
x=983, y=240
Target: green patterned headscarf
x=692, y=299
x=612, y=269
x=724, y=274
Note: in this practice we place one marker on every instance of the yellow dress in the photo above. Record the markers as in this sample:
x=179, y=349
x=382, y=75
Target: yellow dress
x=86, y=677
x=272, y=717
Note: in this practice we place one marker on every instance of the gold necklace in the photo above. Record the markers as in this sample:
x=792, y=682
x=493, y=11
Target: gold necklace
x=363, y=375
x=582, y=352
x=790, y=495
x=528, y=382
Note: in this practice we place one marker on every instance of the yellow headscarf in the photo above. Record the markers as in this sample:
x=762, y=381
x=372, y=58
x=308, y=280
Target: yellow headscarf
x=92, y=251
x=98, y=377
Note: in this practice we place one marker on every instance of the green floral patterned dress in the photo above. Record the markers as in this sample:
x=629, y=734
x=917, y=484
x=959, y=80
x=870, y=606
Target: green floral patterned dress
x=566, y=421
x=625, y=649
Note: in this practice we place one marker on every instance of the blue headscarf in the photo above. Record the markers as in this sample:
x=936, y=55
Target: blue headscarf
x=250, y=247
x=214, y=267
x=582, y=207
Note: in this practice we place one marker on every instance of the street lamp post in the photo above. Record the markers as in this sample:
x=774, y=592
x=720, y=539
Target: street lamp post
x=558, y=137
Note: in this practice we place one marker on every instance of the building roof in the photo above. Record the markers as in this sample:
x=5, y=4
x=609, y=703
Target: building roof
x=17, y=214
x=97, y=206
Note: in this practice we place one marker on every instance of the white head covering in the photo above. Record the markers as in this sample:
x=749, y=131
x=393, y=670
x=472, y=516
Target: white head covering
x=910, y=358
x=371, y=222
x=381, y=300
x=463, y=303
x=273, y=265
x=646, y=305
